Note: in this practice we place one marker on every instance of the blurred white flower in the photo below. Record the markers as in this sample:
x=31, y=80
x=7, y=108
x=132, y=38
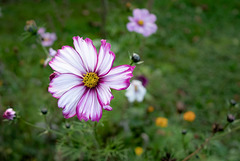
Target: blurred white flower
x=136, y=91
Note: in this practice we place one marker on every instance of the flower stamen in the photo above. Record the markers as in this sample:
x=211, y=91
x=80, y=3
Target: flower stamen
x=140, y=22
x=135, y=88
x=90, y=79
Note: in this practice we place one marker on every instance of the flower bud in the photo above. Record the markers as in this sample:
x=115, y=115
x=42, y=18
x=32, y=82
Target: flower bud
x=128, y=5
x=67, y=125
x=184, y=132
x=31, y=26
x=9, y=114
x=232, y=102
x=217, y=128
x=136, y=58
x=44, y=111
x=180, y=107
x=230, y=118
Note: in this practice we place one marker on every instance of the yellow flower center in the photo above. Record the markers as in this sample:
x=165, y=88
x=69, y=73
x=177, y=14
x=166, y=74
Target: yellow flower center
x=135, y=88
x=45, y=39
x=140, y=22
x=90, y=79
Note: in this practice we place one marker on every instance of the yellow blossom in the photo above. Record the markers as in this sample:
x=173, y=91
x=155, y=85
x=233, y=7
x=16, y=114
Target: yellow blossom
x=189, y=116
x=1, y=83
x=161, y=121
x=138, y=151
x=150, y=109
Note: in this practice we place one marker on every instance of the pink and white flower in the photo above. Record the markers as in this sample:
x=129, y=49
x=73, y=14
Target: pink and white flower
x=9, y=114
x=142, y=22
x=46, y=37
x=83, y=78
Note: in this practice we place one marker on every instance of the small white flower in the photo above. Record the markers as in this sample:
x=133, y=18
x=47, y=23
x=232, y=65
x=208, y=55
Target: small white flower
x=136, y=91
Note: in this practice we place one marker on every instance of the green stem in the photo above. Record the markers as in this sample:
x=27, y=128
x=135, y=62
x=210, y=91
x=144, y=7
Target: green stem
x=184, y=143
x=224, y=134
x=45, y=120
x=212, y=137
x=198, y=149
x=142, y=45
x=30, y=124
x=46, y=130
x=95, y=134
x=43, y=47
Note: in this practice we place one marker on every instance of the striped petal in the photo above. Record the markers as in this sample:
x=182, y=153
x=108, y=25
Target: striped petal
x=70, y=99
x=119, y=77
x=62, y=83
x=67, y=60
x=89, y=107
x=87, y=51
x=105, y=59
x=104, y=94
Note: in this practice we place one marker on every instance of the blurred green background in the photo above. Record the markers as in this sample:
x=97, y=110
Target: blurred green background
x=192, y=60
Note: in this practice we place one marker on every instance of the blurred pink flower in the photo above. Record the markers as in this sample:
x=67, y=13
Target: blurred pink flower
x=46, y=37
x=9, y=114
x=41, y=30
x=142, y=22
x=84, y=78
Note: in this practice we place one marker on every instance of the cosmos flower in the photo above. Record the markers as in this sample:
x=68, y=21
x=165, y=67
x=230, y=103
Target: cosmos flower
x=135, y=91
x=142, y=22
x=83, y=78
x=46, y=37
x=9, y=114
x=161, y=121
x=189, y=116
